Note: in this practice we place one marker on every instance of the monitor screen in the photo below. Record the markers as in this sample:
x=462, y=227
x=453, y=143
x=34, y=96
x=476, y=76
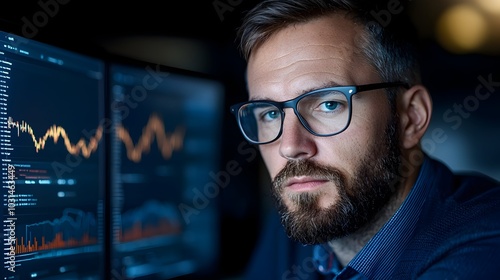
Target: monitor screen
x=52, y=157
x=164, y=154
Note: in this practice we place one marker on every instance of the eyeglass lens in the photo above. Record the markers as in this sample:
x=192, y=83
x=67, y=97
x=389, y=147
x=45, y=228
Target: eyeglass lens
x=323, y=112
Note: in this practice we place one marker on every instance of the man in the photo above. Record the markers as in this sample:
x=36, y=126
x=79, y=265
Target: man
x=338, y=111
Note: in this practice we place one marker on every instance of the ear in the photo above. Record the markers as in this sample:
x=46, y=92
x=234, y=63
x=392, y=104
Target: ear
x=415, y=110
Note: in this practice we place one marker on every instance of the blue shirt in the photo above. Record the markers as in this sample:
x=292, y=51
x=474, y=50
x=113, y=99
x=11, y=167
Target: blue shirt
x=447, y=228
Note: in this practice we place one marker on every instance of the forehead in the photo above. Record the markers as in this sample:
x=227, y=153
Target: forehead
x=306, y=56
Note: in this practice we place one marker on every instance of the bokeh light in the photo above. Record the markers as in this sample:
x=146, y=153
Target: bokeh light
x=491, y=6
x=462, y=28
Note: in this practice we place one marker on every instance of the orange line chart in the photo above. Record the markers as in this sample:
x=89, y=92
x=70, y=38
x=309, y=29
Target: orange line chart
x=167, y=143
x=54, y=132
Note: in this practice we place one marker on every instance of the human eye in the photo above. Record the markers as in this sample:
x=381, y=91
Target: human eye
x=267, y=113
x=329, y=106
x=329, y=102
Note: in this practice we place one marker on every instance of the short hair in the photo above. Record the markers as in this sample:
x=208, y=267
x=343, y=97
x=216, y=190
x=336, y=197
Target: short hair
x=389, y=46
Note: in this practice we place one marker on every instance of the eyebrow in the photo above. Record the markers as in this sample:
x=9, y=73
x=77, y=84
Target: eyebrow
x=322, y=86
x=328, y=84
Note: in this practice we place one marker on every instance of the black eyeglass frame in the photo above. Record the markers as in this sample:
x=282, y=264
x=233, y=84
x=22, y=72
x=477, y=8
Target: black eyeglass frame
x=348, y=91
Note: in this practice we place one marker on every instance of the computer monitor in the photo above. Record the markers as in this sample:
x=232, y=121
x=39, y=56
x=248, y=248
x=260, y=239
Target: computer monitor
x=52, y=157
x=164, y=160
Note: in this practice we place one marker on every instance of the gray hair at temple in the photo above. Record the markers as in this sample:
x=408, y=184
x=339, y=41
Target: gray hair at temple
x=390, y=46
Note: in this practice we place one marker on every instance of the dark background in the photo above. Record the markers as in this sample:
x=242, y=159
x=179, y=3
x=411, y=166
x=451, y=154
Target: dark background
x=199, y=36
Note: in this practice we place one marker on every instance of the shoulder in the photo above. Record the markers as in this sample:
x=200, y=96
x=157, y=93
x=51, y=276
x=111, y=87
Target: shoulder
x=459, y=202
x=461, y=188
x=458, y=232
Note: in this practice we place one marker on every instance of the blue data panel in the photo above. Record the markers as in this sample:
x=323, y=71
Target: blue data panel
x=51, y=147
x=164, y=146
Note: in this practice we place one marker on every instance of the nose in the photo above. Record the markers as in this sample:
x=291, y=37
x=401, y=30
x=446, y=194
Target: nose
x=295, y=141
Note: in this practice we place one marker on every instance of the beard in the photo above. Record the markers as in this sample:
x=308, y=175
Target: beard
x=371, y=188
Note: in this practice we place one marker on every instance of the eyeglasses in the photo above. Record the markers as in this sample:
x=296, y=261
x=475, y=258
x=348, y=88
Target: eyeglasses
x=323, y=112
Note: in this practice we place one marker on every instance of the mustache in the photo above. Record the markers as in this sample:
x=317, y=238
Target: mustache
x=309, y=168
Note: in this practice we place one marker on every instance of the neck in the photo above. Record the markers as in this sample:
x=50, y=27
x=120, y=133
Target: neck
x=347, y=247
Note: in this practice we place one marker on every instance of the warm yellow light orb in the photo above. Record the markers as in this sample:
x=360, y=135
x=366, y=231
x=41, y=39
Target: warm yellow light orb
x=491, y=6
x=461, y=29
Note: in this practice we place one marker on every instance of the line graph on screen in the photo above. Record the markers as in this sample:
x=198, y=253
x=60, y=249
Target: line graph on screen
x=154, y=129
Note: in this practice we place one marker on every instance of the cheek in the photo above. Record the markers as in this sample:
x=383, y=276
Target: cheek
x=341, y=152
x=355, y=140
x=367, y=128
x=347, y=150
x=272, y=159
